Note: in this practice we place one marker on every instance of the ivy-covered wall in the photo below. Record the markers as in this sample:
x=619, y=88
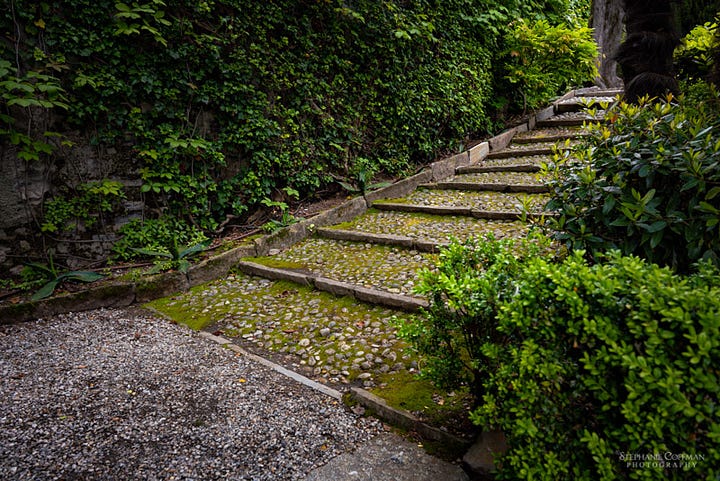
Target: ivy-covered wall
x=205, y=109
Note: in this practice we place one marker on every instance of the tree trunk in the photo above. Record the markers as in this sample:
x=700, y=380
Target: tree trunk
x=606, y=21
x=646, y=55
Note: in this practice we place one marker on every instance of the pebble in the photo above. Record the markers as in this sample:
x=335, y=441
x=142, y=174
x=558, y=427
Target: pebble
x=114, y=394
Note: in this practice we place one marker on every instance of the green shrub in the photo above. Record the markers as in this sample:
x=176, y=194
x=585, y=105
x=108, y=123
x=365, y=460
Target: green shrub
x=546, y=60
x=465, y=291
x=612, y=372
x=694, y=57
x=154, y=235
x=647, y=183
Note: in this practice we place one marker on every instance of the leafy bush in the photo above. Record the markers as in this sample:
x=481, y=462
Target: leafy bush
x=466, y=290
x=646, y=184
x=611, y=372
x=546, y=60
x=158, y=235
x=694, y=57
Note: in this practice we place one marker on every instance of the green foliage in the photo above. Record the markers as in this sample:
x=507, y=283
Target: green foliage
x=364, y=171
x=227, y=102
x=608, y=363
x=285, y=217
x=173, y=256
x=31, y=90
x=49, y=272
x=546, y=60
x=457, y=334
x=694, y=57
x=83, y=207
x=154, y=235
x=646, y=184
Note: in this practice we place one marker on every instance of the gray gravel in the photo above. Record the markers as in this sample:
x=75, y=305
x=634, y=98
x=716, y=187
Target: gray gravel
x=117, y=395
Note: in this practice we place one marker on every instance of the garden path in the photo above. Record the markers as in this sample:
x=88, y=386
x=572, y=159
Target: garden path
x=328, y=305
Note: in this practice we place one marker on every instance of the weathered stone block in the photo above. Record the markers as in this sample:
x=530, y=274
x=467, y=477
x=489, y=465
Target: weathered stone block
x=160, y=285
x=478, y=152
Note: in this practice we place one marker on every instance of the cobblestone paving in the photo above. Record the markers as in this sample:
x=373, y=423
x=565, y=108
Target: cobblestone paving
x=391, y=269
x=508, y=178
x=499, y=201
x=434, y=228
x=332, y=340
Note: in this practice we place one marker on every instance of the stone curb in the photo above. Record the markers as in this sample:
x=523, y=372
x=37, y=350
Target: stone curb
x=400, y=188
x=404, y=419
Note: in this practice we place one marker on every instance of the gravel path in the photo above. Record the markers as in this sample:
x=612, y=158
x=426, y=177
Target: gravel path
x=116, y=395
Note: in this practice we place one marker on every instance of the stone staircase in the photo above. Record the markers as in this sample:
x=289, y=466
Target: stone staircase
x=329, y=295
x=375, y=256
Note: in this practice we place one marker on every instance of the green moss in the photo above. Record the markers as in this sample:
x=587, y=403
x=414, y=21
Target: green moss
x=195, y=319
x=276, y=263
x=405, y=390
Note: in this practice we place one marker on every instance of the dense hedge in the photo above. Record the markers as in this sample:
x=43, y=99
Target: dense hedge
x=601, y=371
x=611, y=373
x=225, y=103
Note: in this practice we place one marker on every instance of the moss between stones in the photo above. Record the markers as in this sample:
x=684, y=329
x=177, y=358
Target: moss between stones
x=339, y=339
x=274, y=262
x=406, y=390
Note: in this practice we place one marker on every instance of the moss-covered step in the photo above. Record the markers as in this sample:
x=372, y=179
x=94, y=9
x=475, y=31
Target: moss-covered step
x=550, y=134
x=420, y=231
x=331, y=339
x=576, y=104
x=523, y=149
x=506, y=164
x=494, y=181
x=462, y=202
x=385, y=269
x=572, y=119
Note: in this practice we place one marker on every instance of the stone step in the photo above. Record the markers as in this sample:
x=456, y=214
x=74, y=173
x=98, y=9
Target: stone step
x=421, y=231
x=366, y=266
x=327, y=337
x=509, y=167
x=530, y=163
x=459, y=202
x=598, y=92
x=549, y=134
x=523, y=149
x=495, y=215
x=578, y=104
x=571, y=119
x=493, y=181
